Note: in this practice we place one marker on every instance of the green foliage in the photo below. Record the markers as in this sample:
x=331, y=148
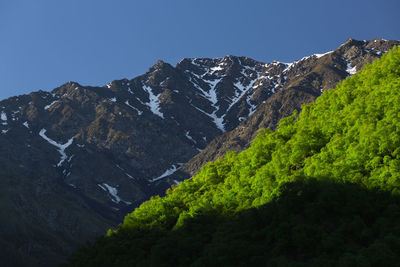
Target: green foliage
x=321, y=190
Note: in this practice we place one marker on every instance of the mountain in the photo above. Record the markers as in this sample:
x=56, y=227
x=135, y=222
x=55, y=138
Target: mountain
x=101, y=151
x=321, y=190
x=306, y=79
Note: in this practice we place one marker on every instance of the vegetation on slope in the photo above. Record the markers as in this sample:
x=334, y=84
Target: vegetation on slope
x=322, y=189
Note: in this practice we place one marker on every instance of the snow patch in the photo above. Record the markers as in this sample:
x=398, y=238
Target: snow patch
x=49, y=105
x=290, y=65
x=61, y=147
x=244, y=86
x=113, y=193
x=168, y=172
x=195, y=63
x=211, y=95
x=129, y=105
x=127, y=174
x=252, y=107
x=189, y=137
x=3, y=117
x=113, y=99
x=217, y=68
x=242, y=91
x=163, y=82
x=130, y=176
x=70, y=158
x=321, y=55
x=153, y=103
x=14, y=114
x=351, y=70
x=218, y=121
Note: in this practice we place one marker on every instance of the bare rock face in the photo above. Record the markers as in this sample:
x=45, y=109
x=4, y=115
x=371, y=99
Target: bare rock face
x=75, y=160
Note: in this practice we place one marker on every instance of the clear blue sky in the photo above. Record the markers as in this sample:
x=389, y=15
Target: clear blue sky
x=44, y=44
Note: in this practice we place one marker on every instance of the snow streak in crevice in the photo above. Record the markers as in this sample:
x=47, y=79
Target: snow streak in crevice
x=127, y=174
x=153, y=103
x=137, y=110
x=187, y=134
x=49, y=105
x=168, y=172
x=211, y=94
x=60, y=147
x=113, y=192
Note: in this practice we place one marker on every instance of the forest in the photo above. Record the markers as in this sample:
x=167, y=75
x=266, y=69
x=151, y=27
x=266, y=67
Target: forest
x=321, y=190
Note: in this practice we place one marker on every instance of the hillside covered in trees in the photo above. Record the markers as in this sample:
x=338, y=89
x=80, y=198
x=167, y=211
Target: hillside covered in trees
x=322, y=190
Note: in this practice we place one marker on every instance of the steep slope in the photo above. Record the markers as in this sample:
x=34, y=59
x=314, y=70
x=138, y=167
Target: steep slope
x=323, y=189
x=42, y=220
x=101, y=151
x=307, y=78
x=115, y=143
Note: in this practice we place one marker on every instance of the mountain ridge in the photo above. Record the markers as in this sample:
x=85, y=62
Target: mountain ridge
x=110, y=148
x=321, y=190
x=239, y=139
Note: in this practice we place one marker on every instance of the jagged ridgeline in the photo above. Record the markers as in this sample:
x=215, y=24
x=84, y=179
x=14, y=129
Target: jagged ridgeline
x=322, y=190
